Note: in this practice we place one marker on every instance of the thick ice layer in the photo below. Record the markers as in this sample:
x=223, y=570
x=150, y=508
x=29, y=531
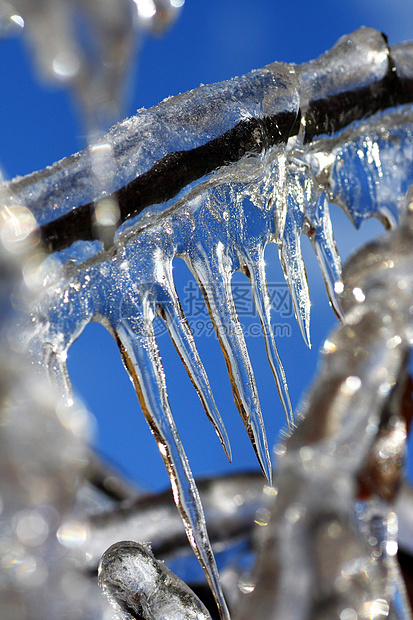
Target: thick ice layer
x=213, y=176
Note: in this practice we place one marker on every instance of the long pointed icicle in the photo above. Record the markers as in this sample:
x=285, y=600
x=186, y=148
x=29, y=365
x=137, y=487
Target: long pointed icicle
x=143, y=361
x=181, y=335
x=322, y=239
x=215, y=282
x=262, y=304
x=293, y=265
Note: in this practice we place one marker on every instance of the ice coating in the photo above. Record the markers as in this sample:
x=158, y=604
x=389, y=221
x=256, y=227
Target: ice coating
x=177, y=125
x=138, y=585
x=264, y=188
x=327, y=79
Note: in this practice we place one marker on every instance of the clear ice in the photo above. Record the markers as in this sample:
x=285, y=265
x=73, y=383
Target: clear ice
x=138, y=585
x=219, y=222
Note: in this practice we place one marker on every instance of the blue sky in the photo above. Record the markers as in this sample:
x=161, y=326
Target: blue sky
x=212, y=41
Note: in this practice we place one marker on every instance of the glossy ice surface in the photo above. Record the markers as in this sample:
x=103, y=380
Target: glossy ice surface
x=131, y=577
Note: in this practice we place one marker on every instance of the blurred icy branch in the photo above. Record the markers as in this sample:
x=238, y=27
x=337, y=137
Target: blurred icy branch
x=88, y=46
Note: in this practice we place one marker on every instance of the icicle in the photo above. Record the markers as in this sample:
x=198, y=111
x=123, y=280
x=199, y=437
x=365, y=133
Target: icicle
x=142, y=360
x=181, y=335
x=213, y=272
x=291, y=258
x=320, y=233
x=330, y=543
x=256, y=216
x=256, y=273
x=381, y=172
